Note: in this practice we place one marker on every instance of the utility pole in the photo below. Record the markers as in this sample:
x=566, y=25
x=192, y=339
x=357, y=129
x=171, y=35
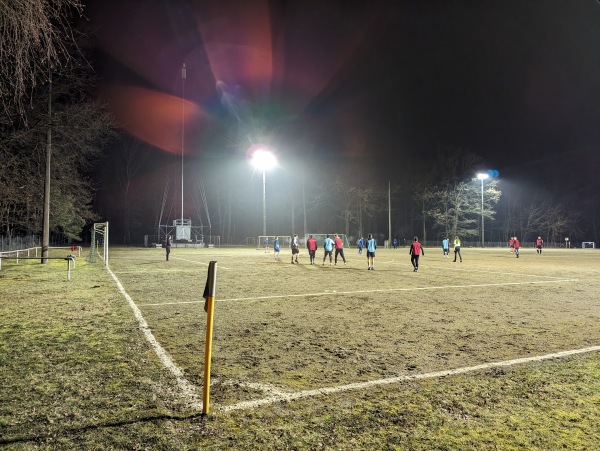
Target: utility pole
x=46, y=226
x=390, y=213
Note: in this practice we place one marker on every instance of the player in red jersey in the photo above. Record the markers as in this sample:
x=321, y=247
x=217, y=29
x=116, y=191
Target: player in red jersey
x=416, y=250
x=339, y=248
x=311, y=245
x=539, y=243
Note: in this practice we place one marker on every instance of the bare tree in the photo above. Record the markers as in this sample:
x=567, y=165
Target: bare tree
x=80, y=127
x=424, y=195
x=35, y=38
x=557, y=221
x=372, y=200
x=451, y=200
x=346, y=199
x=125, y=170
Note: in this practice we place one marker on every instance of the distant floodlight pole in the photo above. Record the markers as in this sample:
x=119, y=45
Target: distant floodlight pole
x=263, y=160
x=482, y=176
x=183, y=75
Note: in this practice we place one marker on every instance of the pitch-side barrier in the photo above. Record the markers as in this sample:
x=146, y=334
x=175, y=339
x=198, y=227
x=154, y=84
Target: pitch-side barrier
x=68, y=258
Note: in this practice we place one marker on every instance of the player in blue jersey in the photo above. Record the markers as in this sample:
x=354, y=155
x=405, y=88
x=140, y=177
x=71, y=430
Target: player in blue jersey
x=446, y=247
x=371, y=246
x=360, y=243
x=328, y=246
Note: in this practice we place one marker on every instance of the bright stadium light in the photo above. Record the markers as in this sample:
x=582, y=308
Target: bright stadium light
x=263, y=160
x=482, y=176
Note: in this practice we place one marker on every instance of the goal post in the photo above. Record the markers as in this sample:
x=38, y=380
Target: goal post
x=320, y=237
x=99, y=243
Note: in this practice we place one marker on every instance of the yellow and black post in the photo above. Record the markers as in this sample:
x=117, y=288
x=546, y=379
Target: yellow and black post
x=209, y=308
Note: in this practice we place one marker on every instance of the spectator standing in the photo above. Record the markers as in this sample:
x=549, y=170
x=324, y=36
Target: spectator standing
x=371, y=246
x=416, y=250
x=339, y=248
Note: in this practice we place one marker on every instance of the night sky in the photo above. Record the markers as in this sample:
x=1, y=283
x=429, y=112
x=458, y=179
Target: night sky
x=387, y=84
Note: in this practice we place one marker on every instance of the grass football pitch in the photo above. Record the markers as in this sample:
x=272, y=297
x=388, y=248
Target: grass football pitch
x=494, y=352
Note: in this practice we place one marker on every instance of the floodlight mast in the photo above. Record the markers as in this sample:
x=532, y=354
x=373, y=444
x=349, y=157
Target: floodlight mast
x=263, y=160
x=482, y=176
x=183, y=77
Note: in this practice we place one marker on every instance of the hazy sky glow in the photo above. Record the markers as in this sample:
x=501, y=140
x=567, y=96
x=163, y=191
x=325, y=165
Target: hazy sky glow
x=384, y=85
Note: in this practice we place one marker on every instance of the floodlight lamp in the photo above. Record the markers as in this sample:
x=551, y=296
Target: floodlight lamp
x=263, y=159
x=483, y=176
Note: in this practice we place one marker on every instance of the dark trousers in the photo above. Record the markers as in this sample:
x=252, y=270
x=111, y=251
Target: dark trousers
x=339, y=252
x=457, y=251
x=414, y=259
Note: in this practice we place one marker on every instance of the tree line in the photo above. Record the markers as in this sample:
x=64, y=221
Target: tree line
x=47, y=89
x=49, y=106
x=445, y=203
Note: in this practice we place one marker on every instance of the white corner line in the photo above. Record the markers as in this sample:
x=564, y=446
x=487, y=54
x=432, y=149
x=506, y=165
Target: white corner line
x=189, y=390
x=285, y=397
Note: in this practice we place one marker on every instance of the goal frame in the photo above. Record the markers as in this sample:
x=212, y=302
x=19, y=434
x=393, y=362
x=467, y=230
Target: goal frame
x=99, y=232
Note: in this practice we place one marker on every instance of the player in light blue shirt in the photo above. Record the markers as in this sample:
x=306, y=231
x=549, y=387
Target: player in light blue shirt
x=328, y=246
x=371, y=246
x=446, y=246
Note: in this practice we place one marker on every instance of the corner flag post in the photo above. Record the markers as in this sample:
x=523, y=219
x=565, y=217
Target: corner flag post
x=209, y=295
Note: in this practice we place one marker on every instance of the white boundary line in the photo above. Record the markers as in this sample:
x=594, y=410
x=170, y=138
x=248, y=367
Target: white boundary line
x=494, y=272
x=188, y=389
x=386, y=290
x=279, y=397
x=195, y=261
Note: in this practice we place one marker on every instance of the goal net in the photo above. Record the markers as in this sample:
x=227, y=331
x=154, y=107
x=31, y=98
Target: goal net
x=99, y=243
x=320, y=237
